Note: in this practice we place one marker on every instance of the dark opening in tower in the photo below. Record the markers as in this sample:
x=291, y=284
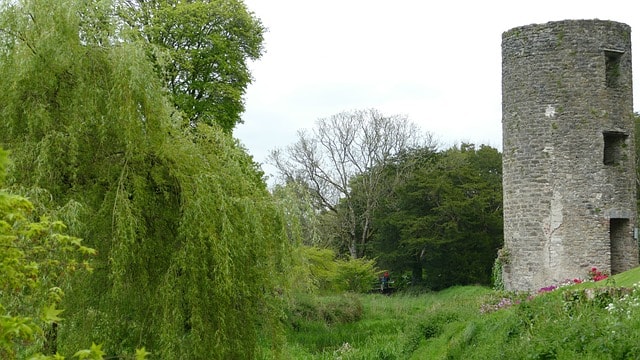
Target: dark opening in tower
x=618, y=232
x=612, y=67
x=614, y=145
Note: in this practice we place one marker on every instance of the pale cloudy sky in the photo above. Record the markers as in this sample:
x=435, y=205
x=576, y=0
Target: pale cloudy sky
x=438, y=62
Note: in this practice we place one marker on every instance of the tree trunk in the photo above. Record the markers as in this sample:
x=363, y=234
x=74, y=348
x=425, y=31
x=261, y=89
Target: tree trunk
x=364, y=237
x=353, y=249
x=416, y=274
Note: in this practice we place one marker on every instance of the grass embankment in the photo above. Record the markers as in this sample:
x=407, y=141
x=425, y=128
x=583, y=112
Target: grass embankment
x=587, y=321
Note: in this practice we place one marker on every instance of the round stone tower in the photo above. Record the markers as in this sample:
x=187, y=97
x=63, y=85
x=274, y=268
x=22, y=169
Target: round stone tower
x=568, y=152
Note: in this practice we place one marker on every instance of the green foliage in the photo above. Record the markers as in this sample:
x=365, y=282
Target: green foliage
x=95, y=352
x=445, y=218
x=191, y=249
x=304, y=224
x=201, y=49
x=334, y=309
x=321, y=266
x=326, y=273
x=355, y=275
x=35, y=258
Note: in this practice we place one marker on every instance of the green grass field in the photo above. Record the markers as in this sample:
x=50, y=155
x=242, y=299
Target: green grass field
x=587, y=321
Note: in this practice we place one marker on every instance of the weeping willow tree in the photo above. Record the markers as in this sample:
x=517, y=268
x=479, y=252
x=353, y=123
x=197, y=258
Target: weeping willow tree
x=190, y=247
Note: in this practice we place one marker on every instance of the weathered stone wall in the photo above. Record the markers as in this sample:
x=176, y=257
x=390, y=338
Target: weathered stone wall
x=566, y=102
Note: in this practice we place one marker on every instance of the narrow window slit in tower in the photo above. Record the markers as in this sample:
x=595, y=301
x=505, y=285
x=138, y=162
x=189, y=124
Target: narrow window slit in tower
x=612, y=67
x=614, y=144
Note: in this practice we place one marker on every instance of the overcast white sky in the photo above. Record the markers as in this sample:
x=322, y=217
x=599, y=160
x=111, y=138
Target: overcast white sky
x=438, y=62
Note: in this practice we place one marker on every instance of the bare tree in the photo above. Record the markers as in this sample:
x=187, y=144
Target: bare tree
x=339, y=149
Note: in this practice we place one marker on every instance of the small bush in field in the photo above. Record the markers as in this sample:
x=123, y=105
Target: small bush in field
x=328, y=274
x=343, y=309
x=355, y=275
x=338, y=309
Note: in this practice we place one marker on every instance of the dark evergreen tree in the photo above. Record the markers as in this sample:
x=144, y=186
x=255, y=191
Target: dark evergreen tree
x=444, y=222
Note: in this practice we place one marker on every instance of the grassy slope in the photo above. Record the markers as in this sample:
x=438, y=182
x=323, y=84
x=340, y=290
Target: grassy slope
x=568, y=323
x=627, y=279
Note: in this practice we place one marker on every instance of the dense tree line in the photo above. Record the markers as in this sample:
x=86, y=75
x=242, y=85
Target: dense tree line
x=433, y=214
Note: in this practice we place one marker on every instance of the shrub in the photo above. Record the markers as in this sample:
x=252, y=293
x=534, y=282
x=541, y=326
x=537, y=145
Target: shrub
x=320, y=268
x=338, y=309
x=355, y=275
x=35, y=258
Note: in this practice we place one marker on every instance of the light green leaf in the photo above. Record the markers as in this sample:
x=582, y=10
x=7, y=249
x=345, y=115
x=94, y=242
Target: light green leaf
x=141, y=354
x=50, y=314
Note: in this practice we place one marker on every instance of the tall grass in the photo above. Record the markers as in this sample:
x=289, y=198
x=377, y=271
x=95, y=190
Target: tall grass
x=391, y=327
x=588, y=321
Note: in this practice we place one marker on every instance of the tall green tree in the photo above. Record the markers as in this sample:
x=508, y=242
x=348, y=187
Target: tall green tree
x=387, y=244
x=201, y=48
x=191, y=248
x=445, y=219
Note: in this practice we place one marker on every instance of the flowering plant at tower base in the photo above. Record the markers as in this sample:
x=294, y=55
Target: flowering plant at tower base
x=594, y=275
x=597, y=275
